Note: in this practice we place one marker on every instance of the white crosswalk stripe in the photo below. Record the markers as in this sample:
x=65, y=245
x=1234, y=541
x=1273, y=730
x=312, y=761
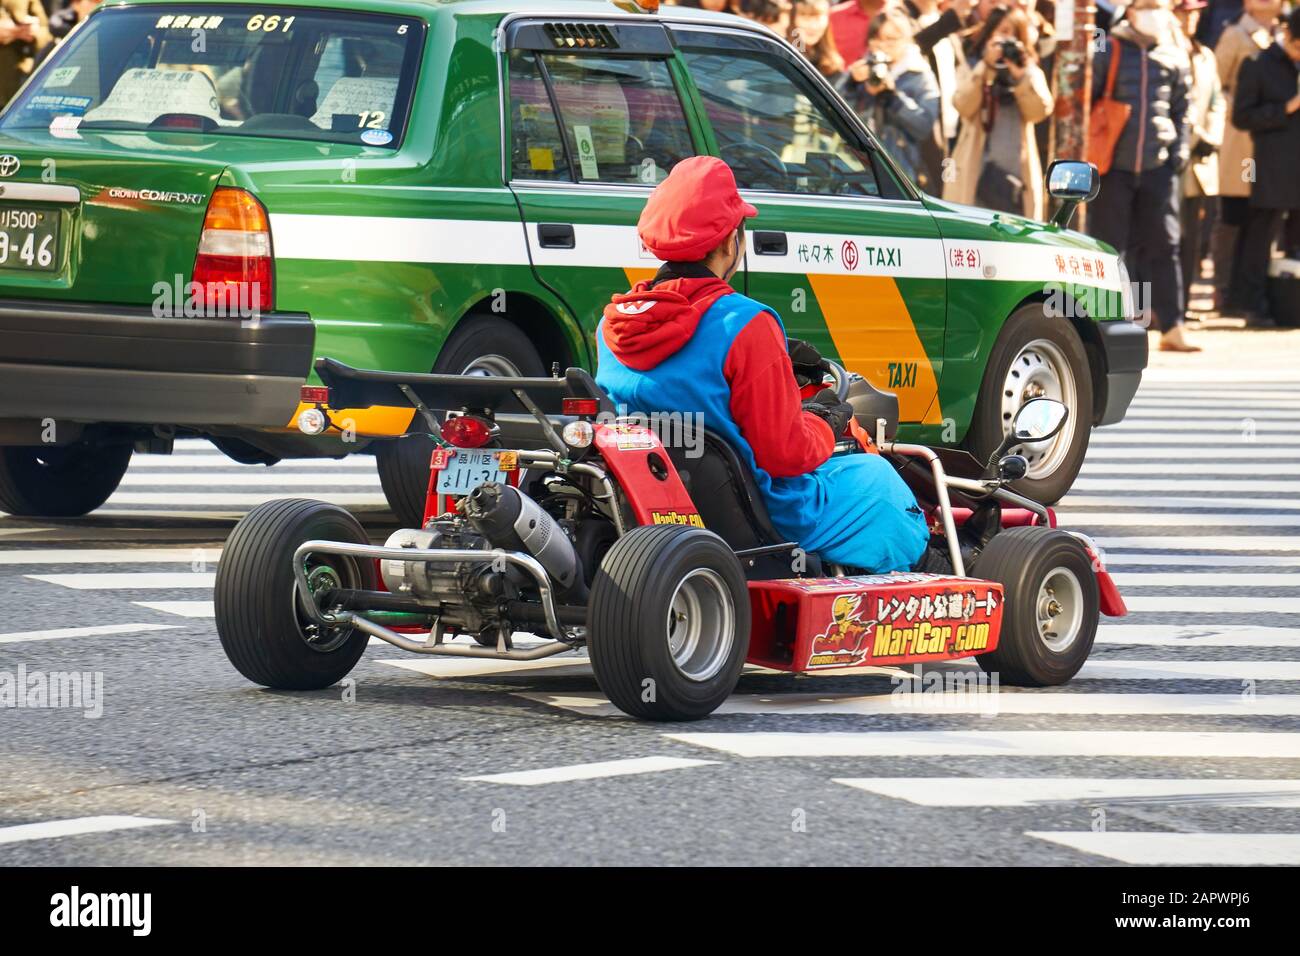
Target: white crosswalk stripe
x=987, y=702
x=1186, y=849
x=987, y=743
x=1032, y=791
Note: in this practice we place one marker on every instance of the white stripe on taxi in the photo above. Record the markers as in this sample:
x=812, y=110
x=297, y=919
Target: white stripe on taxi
x=506, y=242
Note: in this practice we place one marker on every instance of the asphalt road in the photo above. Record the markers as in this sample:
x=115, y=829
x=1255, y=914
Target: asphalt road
x=1178, y=743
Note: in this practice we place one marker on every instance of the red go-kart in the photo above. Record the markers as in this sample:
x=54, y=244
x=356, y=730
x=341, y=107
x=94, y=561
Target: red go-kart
x=550, y=512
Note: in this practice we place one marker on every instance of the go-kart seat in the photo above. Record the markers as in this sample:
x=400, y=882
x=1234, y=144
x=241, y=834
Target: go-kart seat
x=724, y=491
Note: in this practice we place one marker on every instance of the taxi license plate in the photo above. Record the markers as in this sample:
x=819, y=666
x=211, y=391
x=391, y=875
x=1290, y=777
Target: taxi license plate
x=467, y=468
x=29, y=238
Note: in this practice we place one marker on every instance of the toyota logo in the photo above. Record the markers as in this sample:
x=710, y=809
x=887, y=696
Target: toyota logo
x=9, y=164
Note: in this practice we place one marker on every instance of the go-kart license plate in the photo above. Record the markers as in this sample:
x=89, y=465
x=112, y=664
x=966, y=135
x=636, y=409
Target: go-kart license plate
x=467, y=468
x=29, y=238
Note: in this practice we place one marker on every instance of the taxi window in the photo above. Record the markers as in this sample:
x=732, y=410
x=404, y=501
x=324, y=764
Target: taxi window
x=537, y=151
x=620, y=118
x=229, y=70
x=772, y=124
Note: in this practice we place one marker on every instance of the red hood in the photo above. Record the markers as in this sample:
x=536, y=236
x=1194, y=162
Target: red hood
x=645, y=326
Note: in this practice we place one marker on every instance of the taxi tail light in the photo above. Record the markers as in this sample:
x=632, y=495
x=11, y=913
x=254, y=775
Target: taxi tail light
x=314, y=395
x=233, y=265
x=466, y=431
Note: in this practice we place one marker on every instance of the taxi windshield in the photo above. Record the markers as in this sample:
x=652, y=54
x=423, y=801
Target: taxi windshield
x=233, y=70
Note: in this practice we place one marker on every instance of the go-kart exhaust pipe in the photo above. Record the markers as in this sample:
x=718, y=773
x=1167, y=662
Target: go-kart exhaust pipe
x=512, y=521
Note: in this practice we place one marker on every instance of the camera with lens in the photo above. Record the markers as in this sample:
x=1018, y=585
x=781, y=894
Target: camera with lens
x=877, y=65
x=1013, y=51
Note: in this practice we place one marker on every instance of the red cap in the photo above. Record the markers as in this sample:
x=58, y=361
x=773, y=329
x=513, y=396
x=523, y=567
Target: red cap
x=690, y=213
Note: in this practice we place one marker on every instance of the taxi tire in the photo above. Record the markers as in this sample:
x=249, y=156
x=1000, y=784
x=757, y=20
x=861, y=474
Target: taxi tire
x=1020, y=559
x=257, y=623
x=1024, y=326
x=403, y=463
x=627, y=636
x=60, y=481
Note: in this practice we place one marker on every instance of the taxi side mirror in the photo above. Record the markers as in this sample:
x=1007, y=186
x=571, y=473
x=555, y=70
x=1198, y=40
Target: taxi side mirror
x=1072, y=181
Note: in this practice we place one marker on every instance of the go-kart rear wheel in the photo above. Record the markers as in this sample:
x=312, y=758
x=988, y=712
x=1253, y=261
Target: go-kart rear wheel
x=668, y=622
x=1050, y=605
x=264, y=630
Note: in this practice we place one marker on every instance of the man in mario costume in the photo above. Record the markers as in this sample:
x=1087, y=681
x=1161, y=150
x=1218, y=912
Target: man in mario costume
x=686, y=342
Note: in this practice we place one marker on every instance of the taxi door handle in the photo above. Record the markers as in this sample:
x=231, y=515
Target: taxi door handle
x=770, y=244
x=555, y=235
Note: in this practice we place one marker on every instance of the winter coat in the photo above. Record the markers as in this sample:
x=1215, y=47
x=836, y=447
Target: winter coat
x=1154, y=77
x=1034, y=100
x=1239, y=42
x=1207, y=111
x=1265, y=83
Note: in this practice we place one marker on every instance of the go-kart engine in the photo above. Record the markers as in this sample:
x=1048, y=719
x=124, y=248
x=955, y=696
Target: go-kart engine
x=447, y=585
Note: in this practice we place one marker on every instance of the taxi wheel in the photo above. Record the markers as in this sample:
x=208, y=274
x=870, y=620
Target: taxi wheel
x=60, y=481
x=481, y=345
x=1036, y=356
x=668, y=622
x=1050, y=606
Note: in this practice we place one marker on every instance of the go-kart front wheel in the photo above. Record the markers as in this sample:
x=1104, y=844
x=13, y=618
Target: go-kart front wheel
x=263, y=628
x=668, y=622
x=1050, y=609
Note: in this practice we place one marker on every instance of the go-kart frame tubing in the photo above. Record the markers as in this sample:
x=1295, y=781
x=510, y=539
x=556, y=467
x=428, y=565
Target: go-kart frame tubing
x=943, y=481
x=563, y=642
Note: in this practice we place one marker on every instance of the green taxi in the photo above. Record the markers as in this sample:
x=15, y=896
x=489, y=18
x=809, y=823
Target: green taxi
x=197, y=199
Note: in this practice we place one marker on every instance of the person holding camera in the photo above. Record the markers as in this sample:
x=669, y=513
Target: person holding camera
x=24, y=31
x=1145, y=67
x=1000, y=99
x=895, y=93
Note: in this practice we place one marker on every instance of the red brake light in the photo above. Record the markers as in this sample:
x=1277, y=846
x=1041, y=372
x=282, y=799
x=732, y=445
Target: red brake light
x=580, y=406
x=314, y=395
x=466, y=431
x=233, y=265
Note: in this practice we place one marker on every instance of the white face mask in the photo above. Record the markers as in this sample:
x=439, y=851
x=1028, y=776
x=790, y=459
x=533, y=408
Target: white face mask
x=1151, y=22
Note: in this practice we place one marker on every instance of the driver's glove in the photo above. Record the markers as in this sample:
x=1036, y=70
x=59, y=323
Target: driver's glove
x=806, y=361
x=827, y=406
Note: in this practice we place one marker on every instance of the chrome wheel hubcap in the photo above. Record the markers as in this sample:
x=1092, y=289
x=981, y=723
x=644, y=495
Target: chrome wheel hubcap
x=1059, y=609
x=701, y=625
x=1040, y=370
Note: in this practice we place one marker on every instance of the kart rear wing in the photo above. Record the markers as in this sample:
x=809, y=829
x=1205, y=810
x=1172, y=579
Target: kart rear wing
x=363, y=388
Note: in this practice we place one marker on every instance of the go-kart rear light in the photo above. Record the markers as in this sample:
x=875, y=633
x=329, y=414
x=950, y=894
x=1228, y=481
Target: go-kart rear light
x=233, y=265
x=466, y=431
x=580, y=406
x=579, y=434
x=314, y=394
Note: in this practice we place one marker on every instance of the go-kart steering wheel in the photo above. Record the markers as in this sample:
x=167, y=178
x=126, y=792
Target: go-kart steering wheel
x=840, y=378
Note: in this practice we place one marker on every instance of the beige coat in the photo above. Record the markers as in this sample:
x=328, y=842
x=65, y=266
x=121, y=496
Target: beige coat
x=16, y=58
x=1207, y=112
x=1035, y=102
x=1239, y=41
